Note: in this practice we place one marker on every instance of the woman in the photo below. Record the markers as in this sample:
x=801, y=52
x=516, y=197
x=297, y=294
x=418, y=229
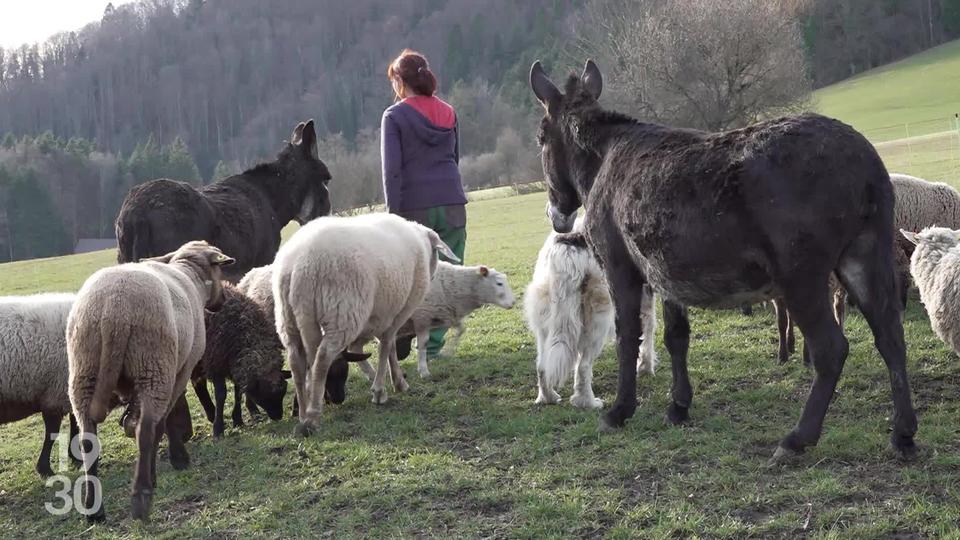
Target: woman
x=420, y=149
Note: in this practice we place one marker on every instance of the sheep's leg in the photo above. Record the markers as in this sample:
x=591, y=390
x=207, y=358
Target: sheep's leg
x=178, y=425
x=237, y=406
x=422, y=336
x=220, y=395
x=92, y=490
x=254, y=410
x=74, y=431
x=783, y=324
x=51, y=424
x=330, y=347
x=144, y=476
x=399, y=379
x=379, y=393
x=544, y=393
x=203, y=396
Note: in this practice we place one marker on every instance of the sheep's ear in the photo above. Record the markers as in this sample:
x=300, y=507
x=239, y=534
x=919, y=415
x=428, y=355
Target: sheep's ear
x=165, y=259
x=286, y=373
x=355, y=357
x=442, y=248
x=913, y=237
x=484, y=271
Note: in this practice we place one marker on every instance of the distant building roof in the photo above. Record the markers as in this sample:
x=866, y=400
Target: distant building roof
x=86, y=245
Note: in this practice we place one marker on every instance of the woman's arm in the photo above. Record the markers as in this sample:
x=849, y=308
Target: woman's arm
x=391, y=161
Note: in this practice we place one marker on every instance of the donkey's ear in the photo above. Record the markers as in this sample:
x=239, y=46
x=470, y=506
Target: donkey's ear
x=297, y=134
x=308, y=139
x=546, y=92
x=913, y=237
x=165, y=259
x=355, y=357
x=592, y=80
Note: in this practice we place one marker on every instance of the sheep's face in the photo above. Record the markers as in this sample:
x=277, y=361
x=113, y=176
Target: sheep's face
x=335, y=391
x=268, y=392
x=336, y=387
x=938, y=238
x=494, y=289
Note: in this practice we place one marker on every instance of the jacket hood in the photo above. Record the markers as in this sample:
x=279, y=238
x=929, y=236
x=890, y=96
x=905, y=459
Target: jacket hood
x=425, y=130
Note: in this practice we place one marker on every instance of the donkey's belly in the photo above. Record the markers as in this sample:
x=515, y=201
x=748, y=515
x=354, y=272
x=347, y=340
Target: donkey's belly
x=693, y=280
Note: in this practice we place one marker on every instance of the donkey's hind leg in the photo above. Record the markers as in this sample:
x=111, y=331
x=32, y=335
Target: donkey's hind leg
x=676, y=336
x=867, y=272
x=808, y=303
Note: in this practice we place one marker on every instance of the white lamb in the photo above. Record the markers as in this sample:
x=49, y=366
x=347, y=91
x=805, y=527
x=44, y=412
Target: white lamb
x=455, y=292
x=568, y=308
x=342, y=281
x=935, y=266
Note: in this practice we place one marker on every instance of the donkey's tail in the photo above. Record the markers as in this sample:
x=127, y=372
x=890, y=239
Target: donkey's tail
x=133, y=238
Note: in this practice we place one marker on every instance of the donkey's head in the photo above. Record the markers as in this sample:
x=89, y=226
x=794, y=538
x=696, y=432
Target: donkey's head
x=306, y=174
x=568, y=166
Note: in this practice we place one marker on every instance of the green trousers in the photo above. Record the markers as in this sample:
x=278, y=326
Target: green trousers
x=456, y=238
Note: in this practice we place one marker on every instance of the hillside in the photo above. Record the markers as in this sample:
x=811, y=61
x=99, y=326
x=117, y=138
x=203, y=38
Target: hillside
x=922, y=92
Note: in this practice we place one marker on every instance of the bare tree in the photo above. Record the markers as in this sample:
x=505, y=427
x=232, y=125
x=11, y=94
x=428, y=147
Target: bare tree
x=709, y=64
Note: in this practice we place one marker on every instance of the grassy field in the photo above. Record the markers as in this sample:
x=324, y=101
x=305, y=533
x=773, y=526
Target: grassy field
x=907, y=109
x=468, y=454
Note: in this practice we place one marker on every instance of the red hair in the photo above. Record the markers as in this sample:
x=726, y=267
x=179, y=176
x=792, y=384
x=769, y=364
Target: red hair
x=412, y=71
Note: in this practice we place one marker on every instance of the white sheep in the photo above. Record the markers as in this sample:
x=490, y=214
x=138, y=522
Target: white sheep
x=455, y=292
x=256, y=285
x=139, y=327
x=342, y=281
x=568, y=308
x=935, y=266
x=33, y=365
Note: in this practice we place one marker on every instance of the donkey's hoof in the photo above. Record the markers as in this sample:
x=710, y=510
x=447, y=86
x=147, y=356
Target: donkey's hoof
x=140, y=504
x=677, y=414
x=424, y=373
x=180, y=461
x=44, y=470
x=97, y=517
x=401, y=385
x=904, y=447
x=608, y=425
x=783, y=456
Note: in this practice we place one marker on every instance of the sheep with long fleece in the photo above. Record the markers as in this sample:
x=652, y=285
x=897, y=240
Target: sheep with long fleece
x=455, y=292
x=568, y=308
x=341, y=281
x=935, y=266
x=33, y=365
x=256, y=285
x=140, y=327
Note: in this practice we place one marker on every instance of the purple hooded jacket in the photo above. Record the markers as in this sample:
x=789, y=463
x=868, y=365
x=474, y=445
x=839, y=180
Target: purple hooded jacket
x=420, y=161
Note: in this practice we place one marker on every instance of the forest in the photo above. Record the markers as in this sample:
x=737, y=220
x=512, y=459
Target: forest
x=196, y=90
